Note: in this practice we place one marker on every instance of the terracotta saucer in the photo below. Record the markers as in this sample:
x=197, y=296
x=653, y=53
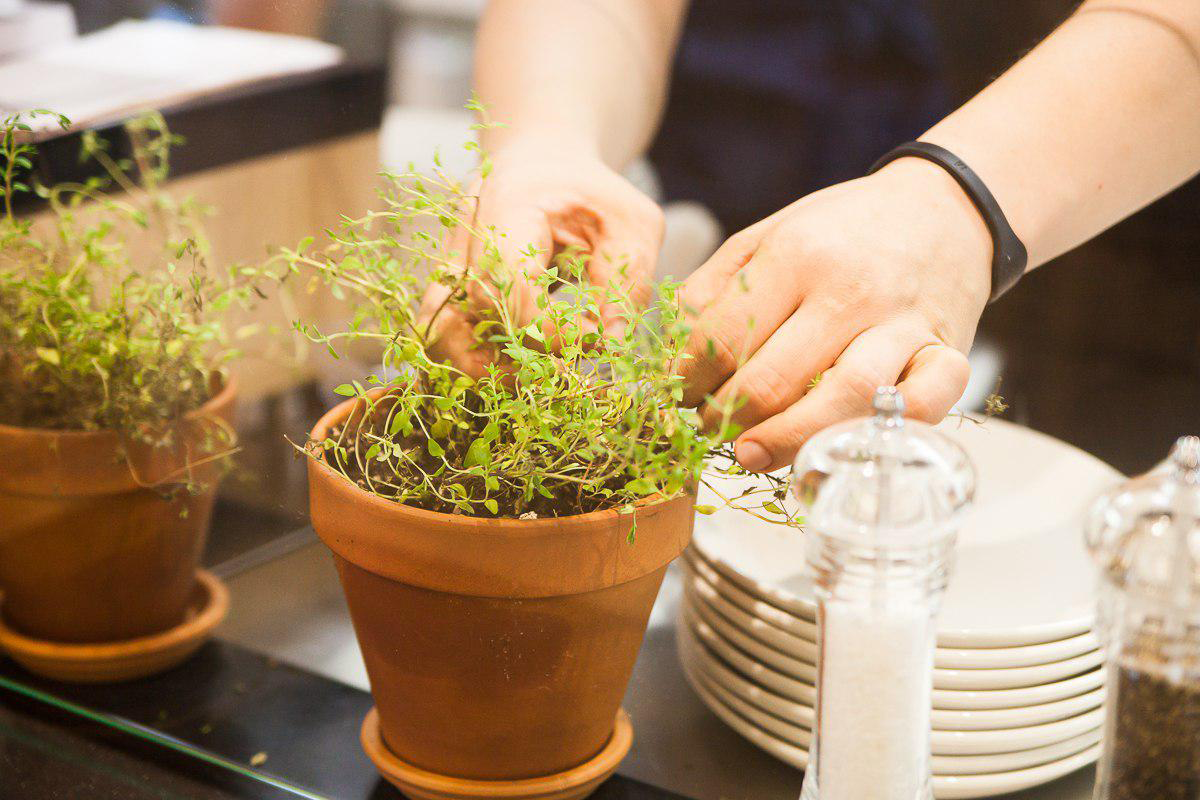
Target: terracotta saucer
x=575, y=783
x=110, y=662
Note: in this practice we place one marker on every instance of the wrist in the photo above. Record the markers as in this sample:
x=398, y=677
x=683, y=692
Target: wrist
x=959, y=228
x=541, y=144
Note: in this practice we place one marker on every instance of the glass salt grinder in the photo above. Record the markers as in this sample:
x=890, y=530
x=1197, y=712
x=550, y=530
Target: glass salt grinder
x=1145, y=538
x=882, y=498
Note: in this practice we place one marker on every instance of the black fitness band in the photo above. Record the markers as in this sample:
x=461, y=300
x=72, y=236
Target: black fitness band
x=1009, y=257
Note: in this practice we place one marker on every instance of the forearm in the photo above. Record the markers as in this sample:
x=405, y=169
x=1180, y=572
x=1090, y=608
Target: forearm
x=584, y=74
x=1099, y=120
x=301, y=17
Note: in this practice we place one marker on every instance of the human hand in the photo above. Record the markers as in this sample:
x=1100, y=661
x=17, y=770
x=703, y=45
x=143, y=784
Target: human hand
x=551, y=199
x=876, y=281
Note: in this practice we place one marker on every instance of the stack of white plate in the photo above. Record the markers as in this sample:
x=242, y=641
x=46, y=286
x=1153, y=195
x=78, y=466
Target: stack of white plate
x=1018, y=683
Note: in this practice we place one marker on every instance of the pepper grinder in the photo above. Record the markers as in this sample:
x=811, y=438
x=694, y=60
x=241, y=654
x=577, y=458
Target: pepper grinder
x=882, y=498
x=1145, y=538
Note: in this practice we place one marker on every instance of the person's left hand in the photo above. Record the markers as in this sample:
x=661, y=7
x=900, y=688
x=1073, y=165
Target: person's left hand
x=800, y=317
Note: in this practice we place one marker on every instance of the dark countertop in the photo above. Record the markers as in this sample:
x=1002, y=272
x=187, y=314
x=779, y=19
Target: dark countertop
x=285, y=680
x=194, y=733
x=45, y=758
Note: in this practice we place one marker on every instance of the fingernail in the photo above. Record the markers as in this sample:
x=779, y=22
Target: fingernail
x=753, y=456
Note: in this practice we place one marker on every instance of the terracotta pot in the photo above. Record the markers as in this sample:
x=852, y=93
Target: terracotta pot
x=496, y=649
x=87, y=552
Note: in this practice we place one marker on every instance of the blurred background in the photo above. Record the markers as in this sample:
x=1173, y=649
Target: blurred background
x=1098, y=348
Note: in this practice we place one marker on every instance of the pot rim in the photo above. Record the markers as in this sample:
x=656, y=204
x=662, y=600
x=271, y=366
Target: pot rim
x=507, y=525
x=221, y=398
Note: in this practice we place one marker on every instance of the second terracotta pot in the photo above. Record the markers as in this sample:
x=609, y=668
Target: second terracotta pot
x=496, y=649
x=88, y=554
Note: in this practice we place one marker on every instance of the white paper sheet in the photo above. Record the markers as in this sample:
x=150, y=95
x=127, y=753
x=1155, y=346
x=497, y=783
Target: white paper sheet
x=135, y=65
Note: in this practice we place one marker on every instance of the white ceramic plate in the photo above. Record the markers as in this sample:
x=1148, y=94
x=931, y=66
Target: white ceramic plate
x=784, y=620
x=944, y=657
x=1001, y=718
x=779, y=639
x=801, y=736
x=793, y=667
x=758, y=673
x=768, y=709
x=1022, y=759
x=1022, y=574
x=945, y=787
x=693, y=654
x=949, y=699
x=796, y=666
x=1016, y=677
x=801, y=712
x=1005, y=657
x=979, y=700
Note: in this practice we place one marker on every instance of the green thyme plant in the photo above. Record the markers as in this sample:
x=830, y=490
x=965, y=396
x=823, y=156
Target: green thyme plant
x=568, y=417
x=92, y=335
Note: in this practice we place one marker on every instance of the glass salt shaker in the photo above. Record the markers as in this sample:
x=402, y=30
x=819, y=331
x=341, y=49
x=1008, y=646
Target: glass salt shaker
x=882, y=498
x=1145, y=538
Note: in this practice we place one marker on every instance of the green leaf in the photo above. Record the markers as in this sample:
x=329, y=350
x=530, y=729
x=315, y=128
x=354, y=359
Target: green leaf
x=435, y=449
x=772, y=506
x=703, y=509
x=372, y=451
x=491, y=505
x=49, y=355
x=641, y=486
x=478, y=454
x=345, y=390
x=632, y=535
x=399, y=418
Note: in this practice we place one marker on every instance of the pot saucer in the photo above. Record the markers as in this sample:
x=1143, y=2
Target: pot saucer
x=572, y=784
x=111, y=662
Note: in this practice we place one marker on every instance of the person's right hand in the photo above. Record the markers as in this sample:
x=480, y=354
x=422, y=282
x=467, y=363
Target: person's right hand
x=552, y=199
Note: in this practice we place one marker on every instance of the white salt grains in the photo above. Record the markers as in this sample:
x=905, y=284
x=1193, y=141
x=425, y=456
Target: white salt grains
x=876, y=679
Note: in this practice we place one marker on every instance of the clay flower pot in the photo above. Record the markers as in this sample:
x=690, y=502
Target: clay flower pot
x=498, y=649
x=88, y=554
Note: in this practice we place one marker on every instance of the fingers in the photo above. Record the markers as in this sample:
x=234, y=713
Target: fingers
x=877, y=357
x=779, y=374
x=933, y=382
x=513, y=231
x=450, y=333
x=708, y=282
x=622, y=268
x=756, y=300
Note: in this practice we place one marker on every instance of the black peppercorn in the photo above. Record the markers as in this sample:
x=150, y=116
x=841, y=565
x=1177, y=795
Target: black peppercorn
x=1155, y=747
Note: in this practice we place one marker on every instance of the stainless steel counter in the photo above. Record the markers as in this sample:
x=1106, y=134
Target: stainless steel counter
x=290, y=607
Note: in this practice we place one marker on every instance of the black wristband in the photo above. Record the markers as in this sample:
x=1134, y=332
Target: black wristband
x=1009, y=257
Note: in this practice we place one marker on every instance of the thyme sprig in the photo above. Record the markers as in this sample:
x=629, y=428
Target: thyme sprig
x=566, y=418
x=112, y=316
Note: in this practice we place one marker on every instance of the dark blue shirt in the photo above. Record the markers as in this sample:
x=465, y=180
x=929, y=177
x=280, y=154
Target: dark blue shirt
x=772, y=99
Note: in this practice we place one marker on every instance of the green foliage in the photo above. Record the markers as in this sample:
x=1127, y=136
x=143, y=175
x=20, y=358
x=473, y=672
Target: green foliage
x=93, y=336
x=567, y=418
